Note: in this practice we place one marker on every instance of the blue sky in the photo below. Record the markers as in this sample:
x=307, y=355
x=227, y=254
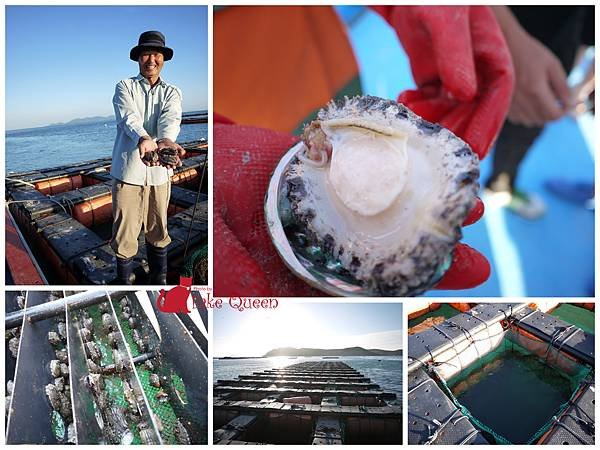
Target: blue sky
x=63, y=62
x=312, y=325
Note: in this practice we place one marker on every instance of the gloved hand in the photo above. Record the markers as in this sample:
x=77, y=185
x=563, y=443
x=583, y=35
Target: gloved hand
x=461, y=65
x=177, y=299
x=245, y=261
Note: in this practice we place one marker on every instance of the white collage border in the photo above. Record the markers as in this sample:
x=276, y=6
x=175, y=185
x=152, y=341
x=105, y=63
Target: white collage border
x=209, y=5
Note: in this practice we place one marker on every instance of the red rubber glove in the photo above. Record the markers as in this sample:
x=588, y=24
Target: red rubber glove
x=245, y=260
x=177, y=299
x=461, y=65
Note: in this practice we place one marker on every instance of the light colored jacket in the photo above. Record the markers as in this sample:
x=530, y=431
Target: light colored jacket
x=140, y=111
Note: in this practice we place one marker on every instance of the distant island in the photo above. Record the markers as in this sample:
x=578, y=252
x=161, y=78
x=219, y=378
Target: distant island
x=84, y=120
x=239, y=357
x=111, y=119
x=351, y=351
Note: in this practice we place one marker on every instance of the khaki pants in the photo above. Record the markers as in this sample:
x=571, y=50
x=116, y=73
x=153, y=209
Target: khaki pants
x=136, y=206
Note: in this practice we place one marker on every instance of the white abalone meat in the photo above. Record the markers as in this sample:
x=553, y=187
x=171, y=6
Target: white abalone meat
x=382, y=191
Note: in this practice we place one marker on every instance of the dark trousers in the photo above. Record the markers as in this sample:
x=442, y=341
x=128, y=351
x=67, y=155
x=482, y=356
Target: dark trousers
x=515, y=140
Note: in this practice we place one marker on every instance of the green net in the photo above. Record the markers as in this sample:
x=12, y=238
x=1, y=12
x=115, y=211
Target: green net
x=514, y=393
x=199, y=258
x=163, y=410
x=113, y=384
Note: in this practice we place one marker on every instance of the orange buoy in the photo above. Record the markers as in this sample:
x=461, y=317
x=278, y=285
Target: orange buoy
x=90, y=181
x=58, y=185
x=94, y=212
x=185, y=176
x=427, y=307
x=462, y=307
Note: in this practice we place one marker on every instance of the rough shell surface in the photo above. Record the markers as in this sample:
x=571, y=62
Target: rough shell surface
x=88, y=323
x=135, y=334
x=154, y=380
x=107, y=322
x=403, y=255
x=53, y=396
x=113, y=339
x=102, y=401
x=85, y=335
x=62, y=330
x=55, y=368
x=151, y=157
x=65, y=409
x=71, y=435
x=13, y=346
x=62, y=355
x=93, y=367
x=95, y=383
x=118, y=360
x=93, y=351
x=181, y=434
x=20, y=301
x=168, y=156
x=60, y=384
x=142, y=345
x=54, y=338
x=64, y=370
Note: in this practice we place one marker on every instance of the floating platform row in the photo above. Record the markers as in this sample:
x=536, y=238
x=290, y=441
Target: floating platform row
x=318, y=402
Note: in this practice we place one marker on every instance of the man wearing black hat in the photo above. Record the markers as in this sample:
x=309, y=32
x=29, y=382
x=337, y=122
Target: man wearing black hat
x=148, y=116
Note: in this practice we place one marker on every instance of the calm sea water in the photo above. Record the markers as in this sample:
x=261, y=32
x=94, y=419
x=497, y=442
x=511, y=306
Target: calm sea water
x=40, y=148
x=525, y=394
x=385, y=371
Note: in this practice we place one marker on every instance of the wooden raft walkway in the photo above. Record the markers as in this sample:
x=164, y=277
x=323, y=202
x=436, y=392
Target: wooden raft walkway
x=320, y=402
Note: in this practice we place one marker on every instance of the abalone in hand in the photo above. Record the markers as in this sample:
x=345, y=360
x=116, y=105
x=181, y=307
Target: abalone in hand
x=383, y=192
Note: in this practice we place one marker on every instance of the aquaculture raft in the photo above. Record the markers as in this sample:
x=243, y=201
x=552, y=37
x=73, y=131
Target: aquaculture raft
x=446, y=354
x=59, y=221
x=118, y=381
x=320, y=402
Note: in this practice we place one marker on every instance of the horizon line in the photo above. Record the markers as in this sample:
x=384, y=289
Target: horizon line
x=88, y=117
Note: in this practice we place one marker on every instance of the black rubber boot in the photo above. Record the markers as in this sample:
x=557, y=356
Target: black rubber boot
x=125, y=273
x=157, y=262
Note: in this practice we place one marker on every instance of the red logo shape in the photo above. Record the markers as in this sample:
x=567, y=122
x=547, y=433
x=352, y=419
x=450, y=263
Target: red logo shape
x=177, y=299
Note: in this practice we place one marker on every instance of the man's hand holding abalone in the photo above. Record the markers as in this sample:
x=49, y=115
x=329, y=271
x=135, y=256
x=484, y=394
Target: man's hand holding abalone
x=169, y=153
x=147, y=148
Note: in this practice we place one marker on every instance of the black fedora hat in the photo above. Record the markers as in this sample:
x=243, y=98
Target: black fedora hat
x=151, y=40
